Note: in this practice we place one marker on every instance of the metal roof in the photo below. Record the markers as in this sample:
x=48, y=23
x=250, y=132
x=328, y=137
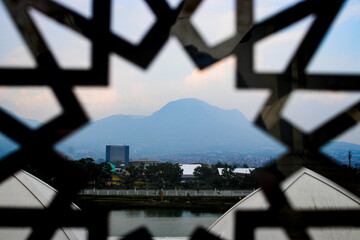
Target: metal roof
x=238, y=170
x=304, y=190
x=23, y=190
x=188, y=169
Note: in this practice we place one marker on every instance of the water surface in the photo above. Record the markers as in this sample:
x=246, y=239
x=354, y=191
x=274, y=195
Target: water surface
x=160, y=222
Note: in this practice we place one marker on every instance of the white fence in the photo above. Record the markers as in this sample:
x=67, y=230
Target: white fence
x=167, y=192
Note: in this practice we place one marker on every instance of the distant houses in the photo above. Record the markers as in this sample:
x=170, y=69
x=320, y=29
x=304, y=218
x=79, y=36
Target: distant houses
x=116, y=179
x=188, y=170
x=142, y=164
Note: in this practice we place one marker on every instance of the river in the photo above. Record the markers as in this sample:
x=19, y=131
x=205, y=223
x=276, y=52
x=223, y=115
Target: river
x=160, y=222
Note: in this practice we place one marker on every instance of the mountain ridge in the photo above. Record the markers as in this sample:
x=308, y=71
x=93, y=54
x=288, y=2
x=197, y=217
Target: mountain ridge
x=185, y=130
x=186, y=126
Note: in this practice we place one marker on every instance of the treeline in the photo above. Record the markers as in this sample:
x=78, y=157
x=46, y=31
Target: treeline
x=169, y=175
x=161, y=175
x=98, y=173
x=207, y=177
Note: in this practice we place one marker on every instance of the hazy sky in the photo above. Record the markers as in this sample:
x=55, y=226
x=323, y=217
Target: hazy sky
x=173, y=76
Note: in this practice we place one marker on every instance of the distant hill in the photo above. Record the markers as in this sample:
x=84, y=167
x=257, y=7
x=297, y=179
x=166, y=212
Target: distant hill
x=339, y=152
x=187, y=126
x=187, y=130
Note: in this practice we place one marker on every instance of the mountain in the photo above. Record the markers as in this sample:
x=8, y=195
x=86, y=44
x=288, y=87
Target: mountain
x=187, y=130
x=186, y=126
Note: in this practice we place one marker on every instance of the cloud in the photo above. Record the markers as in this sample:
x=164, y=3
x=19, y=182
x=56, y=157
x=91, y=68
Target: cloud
x=141, y=92
x=18, y=57
x=32, y=102
x=170, y=77
x=216, y=74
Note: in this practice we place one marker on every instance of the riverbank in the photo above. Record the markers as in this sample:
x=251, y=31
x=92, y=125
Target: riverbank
x=181, y=202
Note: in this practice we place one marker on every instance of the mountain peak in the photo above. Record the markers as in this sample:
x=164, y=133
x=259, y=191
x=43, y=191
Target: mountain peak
x=187, y=101
x=185, y=106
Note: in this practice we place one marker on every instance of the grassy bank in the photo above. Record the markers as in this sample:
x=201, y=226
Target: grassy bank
x=183, y=202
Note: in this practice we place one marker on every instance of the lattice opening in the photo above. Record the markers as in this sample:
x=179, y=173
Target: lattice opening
x=131, y=19
x=215, y=20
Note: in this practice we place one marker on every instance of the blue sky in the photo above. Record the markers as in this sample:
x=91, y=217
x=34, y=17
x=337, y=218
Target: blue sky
x=172, y=76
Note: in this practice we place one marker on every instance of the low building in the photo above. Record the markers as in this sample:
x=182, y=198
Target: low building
x=113, y=167
x=188, y=171
x=143, y=163
x=116, y=179
x=238, y=171
x=304, y=190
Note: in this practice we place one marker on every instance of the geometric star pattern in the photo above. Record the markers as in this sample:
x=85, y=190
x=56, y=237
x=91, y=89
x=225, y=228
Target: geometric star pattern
x=37, y=145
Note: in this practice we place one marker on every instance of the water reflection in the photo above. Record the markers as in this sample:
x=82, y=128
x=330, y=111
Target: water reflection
x=162, y=213
x=133, y=213
x=160, y=222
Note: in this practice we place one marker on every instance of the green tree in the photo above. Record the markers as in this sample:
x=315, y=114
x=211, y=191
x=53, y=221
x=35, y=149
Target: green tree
x=222, y=165
x=203, y=174
x=153, y=175
x=229, y=176
x=105, y=171
x=97, y=173
x=135, y=174
x=164, y=174
x=172, y=174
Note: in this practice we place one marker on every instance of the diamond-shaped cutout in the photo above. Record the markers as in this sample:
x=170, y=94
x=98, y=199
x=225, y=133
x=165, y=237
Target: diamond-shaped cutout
x=273, y=53
x=83, y=7
x=33, y=106
x=13, y=51
x=215, y=20
x=131, y=19
x=7, y=146
x=71, y=49
x=338, y=148
x=339, y=53
x=308, y=110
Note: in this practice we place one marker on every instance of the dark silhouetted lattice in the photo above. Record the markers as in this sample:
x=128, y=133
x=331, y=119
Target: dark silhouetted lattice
x=37, y=145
